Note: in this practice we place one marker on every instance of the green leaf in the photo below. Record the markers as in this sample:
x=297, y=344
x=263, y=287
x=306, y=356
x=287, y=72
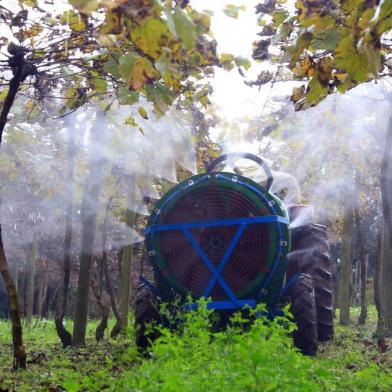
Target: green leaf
x=160, y=95
x=232, y=10
x=226, y=59
x=242, y=62
x=326, y=40
x=99, y=85
x=126, y=64
x=185, y=28
x=283, y=32
x=303, y=41
x=112, y=65
x=316, y=91
x=143, y=113
x=167, y=69
x=350, y=60
x=85, y=6
x=385, y=25
x=279, y=17
x=127, y=96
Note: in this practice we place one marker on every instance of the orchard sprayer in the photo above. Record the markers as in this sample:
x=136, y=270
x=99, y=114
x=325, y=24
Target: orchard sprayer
x=223, y=236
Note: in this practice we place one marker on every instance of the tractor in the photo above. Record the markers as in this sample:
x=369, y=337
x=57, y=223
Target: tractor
x=222, y=236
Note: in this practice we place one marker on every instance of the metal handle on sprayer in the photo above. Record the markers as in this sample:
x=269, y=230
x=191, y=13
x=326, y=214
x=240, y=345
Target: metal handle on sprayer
x=245, y=155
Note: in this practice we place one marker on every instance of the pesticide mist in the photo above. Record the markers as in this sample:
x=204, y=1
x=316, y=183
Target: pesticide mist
x=88, y=151
x=320, y=149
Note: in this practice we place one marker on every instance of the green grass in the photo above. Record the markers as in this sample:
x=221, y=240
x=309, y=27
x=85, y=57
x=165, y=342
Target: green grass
x=259, y=359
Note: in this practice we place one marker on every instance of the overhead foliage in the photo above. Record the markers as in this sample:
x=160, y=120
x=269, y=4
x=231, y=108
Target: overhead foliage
x=330, y=45
x=159, y=50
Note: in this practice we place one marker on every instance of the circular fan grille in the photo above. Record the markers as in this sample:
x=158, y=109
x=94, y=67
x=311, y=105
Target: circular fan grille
x=212, y=201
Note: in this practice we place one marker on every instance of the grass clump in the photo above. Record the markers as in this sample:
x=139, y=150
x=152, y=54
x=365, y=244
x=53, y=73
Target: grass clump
x=258, y=357
x=244, y=357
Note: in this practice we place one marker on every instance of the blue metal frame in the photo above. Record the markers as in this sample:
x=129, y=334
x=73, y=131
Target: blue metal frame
x=234, y=302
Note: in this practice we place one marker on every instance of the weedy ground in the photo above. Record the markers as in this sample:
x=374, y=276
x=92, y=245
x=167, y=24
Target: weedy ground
x=259, y=359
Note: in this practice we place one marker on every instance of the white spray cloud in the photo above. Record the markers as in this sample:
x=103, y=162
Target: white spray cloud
x=33, y=173
x=322, y=147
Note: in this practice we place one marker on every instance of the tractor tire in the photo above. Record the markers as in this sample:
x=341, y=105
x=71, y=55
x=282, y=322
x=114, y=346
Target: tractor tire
x=311, y=253
x=146, y=312
x=303, y=306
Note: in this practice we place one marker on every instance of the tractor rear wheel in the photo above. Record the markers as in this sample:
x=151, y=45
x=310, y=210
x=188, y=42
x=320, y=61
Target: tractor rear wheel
x=303, y=307
x=323, y=284
x=146, y=312
x=310, y=252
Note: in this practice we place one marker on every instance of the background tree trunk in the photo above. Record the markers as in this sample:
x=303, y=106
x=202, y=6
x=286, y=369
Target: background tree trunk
x=363, y=257
x=64, y=335
x=346, y=261
x=14, y=311
x=21, y=72
x=126, y=264
x=108, y=283
x=15, y=273
x=31, y=279
x=89, y=212
x=376, y=276
x=104, y=308
x=364, y=303
x=385, y=325
x=41, y=290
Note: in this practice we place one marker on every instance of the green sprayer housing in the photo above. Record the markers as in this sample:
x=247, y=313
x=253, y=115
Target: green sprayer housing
x=222, y=236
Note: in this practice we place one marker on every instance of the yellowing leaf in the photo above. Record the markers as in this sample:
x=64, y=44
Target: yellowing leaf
x=340, y=76
x=204, y=100
x=142, y=73
x=143, y=113
x=74, y=20
x=131, y=121
x=137, y=71
x=324, y=70
x=3, y=94
x=33, y=31
x=30, y=3
x=305, y=68
x=148, y=37
x=112, y=24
